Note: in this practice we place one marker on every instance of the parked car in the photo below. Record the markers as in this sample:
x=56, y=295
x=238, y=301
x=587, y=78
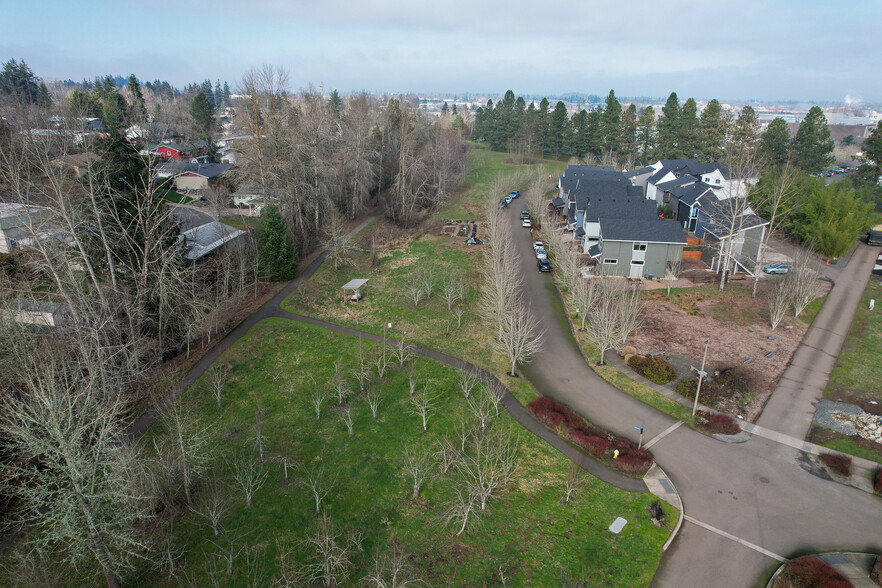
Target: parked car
x=503, y=203
x=538, y=244
x=778, y=268
x=515, y=193
x=541, y=253
x=544, y=265
x=525, y=214
x=527, y=223
x=508, y=199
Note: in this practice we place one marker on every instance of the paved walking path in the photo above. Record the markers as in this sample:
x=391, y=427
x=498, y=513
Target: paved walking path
x=790, y=409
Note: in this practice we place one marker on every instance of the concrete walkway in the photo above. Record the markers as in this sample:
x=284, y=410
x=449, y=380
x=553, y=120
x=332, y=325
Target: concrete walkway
x=790, y=409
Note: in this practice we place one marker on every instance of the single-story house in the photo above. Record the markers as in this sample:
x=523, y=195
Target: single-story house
x=19, y=223
x=42, y=313
x=204, y=239
x=77, y=163
x=638, y=248
x=178, y=150
x=191, y=177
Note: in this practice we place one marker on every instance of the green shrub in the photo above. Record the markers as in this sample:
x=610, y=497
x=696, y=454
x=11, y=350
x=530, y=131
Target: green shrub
x=654, y=369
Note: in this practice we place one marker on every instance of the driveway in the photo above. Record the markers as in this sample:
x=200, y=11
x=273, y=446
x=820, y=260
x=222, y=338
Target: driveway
x=748, y=505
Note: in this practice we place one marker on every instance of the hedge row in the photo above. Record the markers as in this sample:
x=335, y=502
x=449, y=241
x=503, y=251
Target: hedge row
x=840, y=464
x=878, y=483
x=717, y=423
x=810, y=571
x=654, y=369
x=597, y=443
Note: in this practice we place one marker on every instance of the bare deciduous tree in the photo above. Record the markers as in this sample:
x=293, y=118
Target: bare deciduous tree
x=801, y=281
x=187, y=440
x=392, y=569
x=460, y=509
x=319, y=482
x=401, y=353
x=217, y=381
x=452, y=289
x=373, y=400
x=338, y=243
x=261, y=441
x=317, y=397
x=342, y=390
x=574, y=481
x=362, y=370
x=446, y=454
x=250, y=477
x=605, y=315
x=779, y=301
x=672, y=272
x=466, y=381
x=779, y=200
x=346, y=416
x=214, y=504
x=520, y=336
x=417, y=467
x=75, y=485
x=457, y=314
x=423, y=405
x=481, y=406
x=489, y=465
x=331, y=558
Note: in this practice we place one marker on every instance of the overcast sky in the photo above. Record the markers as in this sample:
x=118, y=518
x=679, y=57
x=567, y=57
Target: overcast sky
x=737, y=50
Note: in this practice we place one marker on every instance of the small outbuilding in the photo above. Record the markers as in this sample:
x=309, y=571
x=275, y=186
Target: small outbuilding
x=356, y=287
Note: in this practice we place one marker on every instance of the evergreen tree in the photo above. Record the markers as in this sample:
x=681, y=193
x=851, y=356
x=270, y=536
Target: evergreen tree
x=580, y=133
x=542, y=125
x=594, y=140
x=517, y=123
x=113, y=106
x=139, y=109
x=775, y=143
x=205, y=88
x=202, y=113
x=746, y=128
x=669, y=128
x=218, y=95
x=454, y=108
x=870, y=171
x=558, y=130
x=812, y=148
x=612, y=118
x=646, y=132
x=17, y=80
x=714, y=126
x=275, y=251
x=444, y=109
x=227, y=99
x=335, y=103
x=629, y=144
x=687, y=144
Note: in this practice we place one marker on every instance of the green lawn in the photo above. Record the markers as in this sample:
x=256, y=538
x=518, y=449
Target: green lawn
x=528, y=532
x=484, y=166
x=242, y=222
x=177, y=197
x=858, y=370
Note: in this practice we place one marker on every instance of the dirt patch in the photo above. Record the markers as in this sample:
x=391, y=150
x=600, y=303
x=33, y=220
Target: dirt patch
x=738, y=329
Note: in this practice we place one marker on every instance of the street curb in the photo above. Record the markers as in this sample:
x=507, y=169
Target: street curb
x=653, y=477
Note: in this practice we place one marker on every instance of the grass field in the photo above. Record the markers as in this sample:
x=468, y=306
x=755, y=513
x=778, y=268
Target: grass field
x=858, y=370
x=177, y=197
x=527, y=534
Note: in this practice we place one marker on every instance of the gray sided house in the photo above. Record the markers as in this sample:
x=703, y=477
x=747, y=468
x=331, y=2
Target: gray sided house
x=726, y=226
x=19, y=223
x=639, y=248
x=613, y=201
x=573, y=185
x=40, y=313
x=191, y=177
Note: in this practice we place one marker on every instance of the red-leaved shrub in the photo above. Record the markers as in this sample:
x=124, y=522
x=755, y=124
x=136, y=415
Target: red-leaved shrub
x=840, y=464
x=631, y=465
x=717, y=424
x=554, y=413
x=594, y=445
x=878, y=484
x=806, y=572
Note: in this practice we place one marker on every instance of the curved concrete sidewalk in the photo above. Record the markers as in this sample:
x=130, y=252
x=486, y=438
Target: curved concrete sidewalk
x=790, y=410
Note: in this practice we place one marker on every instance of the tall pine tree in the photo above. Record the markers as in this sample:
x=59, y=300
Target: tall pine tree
x=812, y=148
x=669, y=129
x=276, y=253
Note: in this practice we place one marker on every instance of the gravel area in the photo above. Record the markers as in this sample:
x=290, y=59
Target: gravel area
x=826, y=409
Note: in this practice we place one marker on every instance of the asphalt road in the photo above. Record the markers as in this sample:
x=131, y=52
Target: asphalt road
x=757, y=497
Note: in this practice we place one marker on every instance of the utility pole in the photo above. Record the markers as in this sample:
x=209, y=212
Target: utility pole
x=700, y=376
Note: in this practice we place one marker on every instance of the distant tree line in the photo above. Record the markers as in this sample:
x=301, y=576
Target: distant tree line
x=613, y=133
